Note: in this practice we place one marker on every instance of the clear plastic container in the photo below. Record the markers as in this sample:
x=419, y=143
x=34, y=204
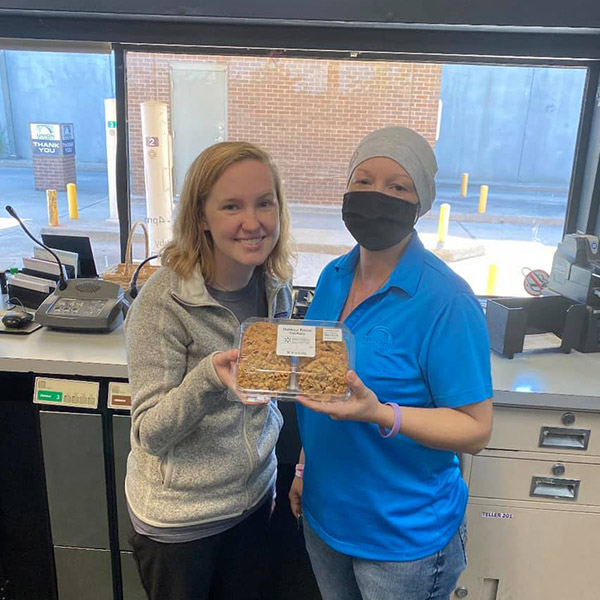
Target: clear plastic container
x=284, y=359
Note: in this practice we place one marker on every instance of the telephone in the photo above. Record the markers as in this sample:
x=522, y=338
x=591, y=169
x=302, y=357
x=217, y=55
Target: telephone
x=79, y=304
x=83, y=305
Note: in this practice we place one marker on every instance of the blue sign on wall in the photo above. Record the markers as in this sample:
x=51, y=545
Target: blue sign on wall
x=46, y=148
x=68, y=147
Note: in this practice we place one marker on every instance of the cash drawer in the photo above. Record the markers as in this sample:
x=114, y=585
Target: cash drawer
x=561, y=431
x=541, y=480
x=530, y=553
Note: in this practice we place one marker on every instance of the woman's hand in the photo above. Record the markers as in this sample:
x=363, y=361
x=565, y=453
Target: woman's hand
x=295, y=497
x=462, y=429
x=223, y=363
x=363, y=404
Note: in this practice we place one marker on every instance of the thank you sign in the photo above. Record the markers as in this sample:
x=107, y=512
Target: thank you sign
x=52, y=139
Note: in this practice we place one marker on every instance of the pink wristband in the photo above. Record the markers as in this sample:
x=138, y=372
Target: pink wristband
x=299, y=472
x=397, y=422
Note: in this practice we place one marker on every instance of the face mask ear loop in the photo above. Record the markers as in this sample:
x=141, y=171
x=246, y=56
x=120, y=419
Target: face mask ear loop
x=418, y=213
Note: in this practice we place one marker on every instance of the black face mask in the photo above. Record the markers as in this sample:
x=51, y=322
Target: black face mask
x=378, y=221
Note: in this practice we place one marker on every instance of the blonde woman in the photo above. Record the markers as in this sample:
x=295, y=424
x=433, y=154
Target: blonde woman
x=202, y=467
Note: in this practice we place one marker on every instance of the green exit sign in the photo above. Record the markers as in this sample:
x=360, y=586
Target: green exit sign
x=112, y=123
x=46, y=396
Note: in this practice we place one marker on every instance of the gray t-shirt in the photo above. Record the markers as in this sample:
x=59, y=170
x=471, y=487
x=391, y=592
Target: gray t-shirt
x=250, y=301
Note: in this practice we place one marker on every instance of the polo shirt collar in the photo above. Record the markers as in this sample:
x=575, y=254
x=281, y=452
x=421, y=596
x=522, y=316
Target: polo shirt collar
x=406, y=274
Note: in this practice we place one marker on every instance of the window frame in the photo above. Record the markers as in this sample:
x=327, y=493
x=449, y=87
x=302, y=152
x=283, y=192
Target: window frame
x=500, y=45
x=581, y=213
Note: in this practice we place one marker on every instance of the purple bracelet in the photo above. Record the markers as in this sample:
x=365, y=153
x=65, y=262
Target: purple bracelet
x=397, y=422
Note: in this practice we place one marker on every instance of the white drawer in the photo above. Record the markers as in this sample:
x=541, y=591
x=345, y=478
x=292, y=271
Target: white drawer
x=544, y=430
x=539, y=480
x=535, y=553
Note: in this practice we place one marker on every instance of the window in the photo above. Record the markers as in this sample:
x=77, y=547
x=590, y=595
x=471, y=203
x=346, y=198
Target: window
x=511, y=128
x=54, y=125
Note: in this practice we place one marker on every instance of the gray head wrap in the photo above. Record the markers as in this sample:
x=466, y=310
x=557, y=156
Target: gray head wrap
x=410, y=150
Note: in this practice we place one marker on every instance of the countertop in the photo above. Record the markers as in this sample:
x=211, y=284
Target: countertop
x=541, y=376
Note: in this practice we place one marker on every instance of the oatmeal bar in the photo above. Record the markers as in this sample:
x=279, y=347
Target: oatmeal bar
x=325, y=374
x=260, y=368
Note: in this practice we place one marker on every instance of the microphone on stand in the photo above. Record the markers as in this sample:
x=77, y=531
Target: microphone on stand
x=62, y=278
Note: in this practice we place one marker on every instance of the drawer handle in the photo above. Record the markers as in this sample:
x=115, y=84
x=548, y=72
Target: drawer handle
x=564, y=437
x=552, y=487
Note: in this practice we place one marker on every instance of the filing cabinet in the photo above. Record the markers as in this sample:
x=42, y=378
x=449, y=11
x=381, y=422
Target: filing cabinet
x=534, y=508
x=546, y=431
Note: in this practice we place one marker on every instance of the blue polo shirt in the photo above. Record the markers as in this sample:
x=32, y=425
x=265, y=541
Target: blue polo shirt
x=420, y=341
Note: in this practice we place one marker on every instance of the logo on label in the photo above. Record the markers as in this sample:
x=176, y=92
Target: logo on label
x=295, y=340
x=46, y=132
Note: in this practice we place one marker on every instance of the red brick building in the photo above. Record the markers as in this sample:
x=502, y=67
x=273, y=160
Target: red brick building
x=309, y=114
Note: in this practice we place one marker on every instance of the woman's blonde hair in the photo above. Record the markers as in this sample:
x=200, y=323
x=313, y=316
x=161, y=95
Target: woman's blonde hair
x=191, y=244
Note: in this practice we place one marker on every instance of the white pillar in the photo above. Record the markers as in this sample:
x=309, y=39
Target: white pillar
x=110, y=125
x=157, y=173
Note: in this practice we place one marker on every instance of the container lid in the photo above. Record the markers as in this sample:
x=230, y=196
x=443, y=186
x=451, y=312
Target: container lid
x=287, y=358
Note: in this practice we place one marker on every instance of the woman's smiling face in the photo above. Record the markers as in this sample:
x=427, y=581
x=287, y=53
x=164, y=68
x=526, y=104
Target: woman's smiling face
x=242, y=214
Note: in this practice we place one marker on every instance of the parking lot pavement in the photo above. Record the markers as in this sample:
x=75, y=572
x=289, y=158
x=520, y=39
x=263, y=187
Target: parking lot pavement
x=519, y=227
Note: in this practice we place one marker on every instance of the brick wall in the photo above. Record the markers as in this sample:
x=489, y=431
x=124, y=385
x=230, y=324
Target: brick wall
x=309, y=114
x=53, y=172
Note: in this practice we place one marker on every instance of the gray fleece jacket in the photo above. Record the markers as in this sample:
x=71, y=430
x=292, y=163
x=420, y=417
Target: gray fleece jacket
x=197, y=453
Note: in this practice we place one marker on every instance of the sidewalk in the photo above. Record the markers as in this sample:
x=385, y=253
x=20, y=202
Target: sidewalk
x=515, y=229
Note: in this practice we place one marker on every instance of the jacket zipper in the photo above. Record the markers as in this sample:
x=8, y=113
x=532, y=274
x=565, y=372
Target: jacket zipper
x=271, y=304
x=250, y=456
x=247, y=445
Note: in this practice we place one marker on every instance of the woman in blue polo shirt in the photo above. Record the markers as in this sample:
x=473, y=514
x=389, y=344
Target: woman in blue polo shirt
x=378, y=481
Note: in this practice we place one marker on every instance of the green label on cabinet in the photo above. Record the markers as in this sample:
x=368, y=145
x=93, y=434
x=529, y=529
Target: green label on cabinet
x=45, y=396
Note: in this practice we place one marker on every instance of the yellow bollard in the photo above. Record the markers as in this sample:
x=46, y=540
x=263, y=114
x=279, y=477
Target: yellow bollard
x=483, y=195
x=443, y=223
x=52, y=208
x=492, y=281
x=464, y=184
x=72, y=199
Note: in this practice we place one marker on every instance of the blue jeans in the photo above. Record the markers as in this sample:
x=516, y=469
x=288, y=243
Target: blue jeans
x=343, y=577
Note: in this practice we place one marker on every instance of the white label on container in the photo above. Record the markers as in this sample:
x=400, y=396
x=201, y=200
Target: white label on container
x=496, y=515
x=295, y=340
x=331, y=334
